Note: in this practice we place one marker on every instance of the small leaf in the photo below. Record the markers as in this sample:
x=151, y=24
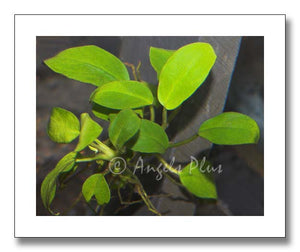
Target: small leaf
x=184, y=72
x=106, y=113
x=63, y=126
x=122, y=95
x=89, y=64
x=48, y=187
x=158, y=58
x=230, y=128
x=123, y=127
x=96, y=185
x=151, y=139
x=90, y=130
x=196, y=178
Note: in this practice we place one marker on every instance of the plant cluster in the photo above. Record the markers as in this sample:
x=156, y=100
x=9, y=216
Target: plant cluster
x=131, y=107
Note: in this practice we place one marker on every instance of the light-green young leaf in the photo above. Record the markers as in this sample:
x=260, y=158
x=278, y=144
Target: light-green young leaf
x=89, y=64
x=123, y=127
x=196, y=178
x=184, y=72
x=151, y=139
x=230, y=128
x=48, y=187
x=122, y=95
x=97, y=186
x=90, y=130
x=63, y=126
x=158, y=58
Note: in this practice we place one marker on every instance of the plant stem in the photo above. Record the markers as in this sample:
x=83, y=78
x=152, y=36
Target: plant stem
x=78, y=198
x=172, y=179
x=190, y=139
x=138, y=71
x=164, y=118
x=89, y=159
x=152, y=113
x=173, y=114
x=169, y=167
x=105, y=149
x=133, y=70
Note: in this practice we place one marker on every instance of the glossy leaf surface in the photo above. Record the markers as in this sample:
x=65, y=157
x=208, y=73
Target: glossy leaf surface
x=151, y=139
x=158, y=58
x=89, y=64
x=230, y=128
x=48, y=187
x=123, y=127
x=196, y=178
x=97, y=186
x=63, y=126
x=122, y=95
x=184, y=72
x=90, y=130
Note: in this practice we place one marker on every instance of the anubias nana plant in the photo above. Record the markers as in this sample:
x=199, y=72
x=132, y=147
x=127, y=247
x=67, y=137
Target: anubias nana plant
x=130, y=107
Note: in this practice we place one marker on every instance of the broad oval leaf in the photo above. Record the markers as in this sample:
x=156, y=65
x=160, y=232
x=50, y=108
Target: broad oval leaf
x=158, y=58
x=48, y=187
x=197, y=179
x=122, y=95
x=151, y=138
x=90, y=130
x=230, y=128
x=89, y=64
x=184, y=72
x=123, y=127
x=107, y=113
x=97, y=186
x=63, y=126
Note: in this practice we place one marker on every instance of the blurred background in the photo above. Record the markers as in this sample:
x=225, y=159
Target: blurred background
x=236, y=83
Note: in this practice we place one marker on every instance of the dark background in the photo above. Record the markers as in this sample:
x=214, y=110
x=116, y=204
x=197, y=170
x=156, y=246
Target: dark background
x=240, y=185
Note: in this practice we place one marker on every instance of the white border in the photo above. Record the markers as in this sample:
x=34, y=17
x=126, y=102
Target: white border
x=27, y=224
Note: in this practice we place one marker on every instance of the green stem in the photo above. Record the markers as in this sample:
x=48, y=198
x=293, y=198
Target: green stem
x=164, y=118
x=105, y=149
x=169, y=167
x=152, y=113
x=132, y=69
x=190, y=139
x=172, y=179
x=138, y=71
x=173, y=114
x=89, y=159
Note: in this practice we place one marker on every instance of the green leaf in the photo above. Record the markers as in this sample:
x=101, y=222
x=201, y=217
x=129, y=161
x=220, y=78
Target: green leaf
x=184, y=72
x=106, y=113
x=48, y=187
x=123, y=127
x=158, y=58
x=89, y=64
x=151, y=139
x=196, y=178
x=230, y=128
x=90, y=130
x=63, y=126
x=96, y=185
x=122, y=95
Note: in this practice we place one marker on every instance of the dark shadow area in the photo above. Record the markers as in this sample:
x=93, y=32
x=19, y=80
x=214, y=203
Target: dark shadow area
x=190, y=107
